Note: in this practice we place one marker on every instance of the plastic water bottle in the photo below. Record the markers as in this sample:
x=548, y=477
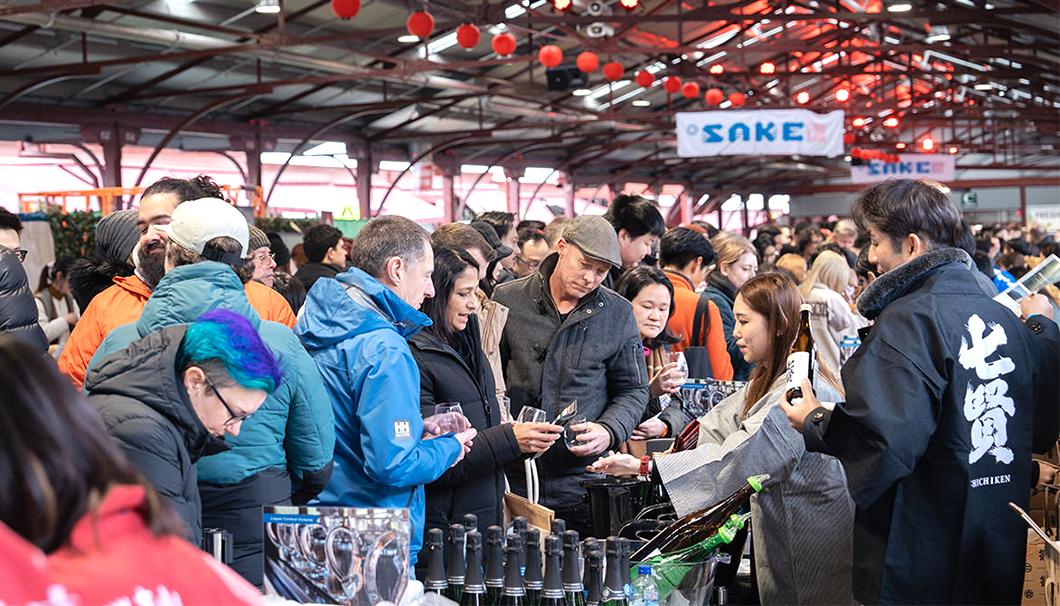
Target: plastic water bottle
x=645, y=591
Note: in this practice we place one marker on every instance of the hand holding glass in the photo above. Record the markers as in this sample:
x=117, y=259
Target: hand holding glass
x=572, y=428
x=678, y=357
x=449, y=417
x=529, y=414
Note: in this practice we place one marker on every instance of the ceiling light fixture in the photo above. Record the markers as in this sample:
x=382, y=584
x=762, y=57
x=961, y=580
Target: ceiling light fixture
x=928, y=144
x=717, y=69
x=858, y=122
x=641, y=103
x=767, y=68
x=952, y=149
x=581, y=92
x=891, y=122
x=802, y=98
x=899, y=145
x=938, y=33
x=900, y=7
x=842, y=95
x=408, y=39
x=268, y=7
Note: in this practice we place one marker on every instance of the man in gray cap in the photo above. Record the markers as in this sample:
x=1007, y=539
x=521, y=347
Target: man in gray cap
x=567, y=338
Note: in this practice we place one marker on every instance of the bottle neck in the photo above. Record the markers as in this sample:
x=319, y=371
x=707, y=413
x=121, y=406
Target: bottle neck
x=513, y=577
x=572, y=576
x=473, y=581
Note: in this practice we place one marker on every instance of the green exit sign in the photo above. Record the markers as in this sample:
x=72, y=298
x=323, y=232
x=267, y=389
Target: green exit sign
x=970, y=199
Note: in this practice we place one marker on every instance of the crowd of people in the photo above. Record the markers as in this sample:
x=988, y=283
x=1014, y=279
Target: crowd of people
x=222, y=371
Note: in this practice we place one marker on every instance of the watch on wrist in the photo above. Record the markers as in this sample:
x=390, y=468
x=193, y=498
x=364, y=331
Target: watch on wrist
x=645, y=469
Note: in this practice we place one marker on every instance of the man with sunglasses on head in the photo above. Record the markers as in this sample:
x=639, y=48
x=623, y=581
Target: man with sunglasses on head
x=18, y=312
x=283, y=455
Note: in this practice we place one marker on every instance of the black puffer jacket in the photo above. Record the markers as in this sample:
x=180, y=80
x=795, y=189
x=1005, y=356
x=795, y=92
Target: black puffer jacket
x=18, y=311
x=309, y=273
x=146, y=409
x=475, y=484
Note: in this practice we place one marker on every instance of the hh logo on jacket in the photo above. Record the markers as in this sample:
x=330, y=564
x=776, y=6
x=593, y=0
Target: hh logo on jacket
x=986, y=404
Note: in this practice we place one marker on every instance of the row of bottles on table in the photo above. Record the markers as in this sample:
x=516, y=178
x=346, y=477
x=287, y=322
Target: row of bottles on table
x=510, y=571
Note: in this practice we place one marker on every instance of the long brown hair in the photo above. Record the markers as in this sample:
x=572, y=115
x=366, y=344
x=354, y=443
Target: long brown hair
x=59, y=459
x=775, y=297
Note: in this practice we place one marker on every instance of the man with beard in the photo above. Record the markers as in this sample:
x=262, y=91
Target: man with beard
x=122, y=302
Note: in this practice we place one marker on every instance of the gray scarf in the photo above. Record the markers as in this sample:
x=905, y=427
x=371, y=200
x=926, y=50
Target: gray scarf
x=901, y=279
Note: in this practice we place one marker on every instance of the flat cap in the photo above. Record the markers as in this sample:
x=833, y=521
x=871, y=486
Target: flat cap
x=596, y=238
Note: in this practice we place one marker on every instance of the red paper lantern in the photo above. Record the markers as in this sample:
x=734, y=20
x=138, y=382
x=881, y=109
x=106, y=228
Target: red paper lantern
x=672, y=84
x=848, y=138
x=420, y=24
x=346, y=9
x=737, y=99
x=588, y=62
x=550, y=55
x=690, y=90
x=613, y=71
x=468, y=35
x=504, y=44
x=714, y=96
x=645, y=78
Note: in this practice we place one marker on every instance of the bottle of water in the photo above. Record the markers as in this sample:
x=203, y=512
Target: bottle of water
x=645, y=591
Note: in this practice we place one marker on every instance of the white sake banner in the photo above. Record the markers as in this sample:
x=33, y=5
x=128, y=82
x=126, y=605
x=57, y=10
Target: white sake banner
x=937, y=167
x=759, y=132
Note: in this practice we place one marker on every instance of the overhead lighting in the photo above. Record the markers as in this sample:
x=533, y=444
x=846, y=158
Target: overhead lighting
x=629, y=4
x=561, y=5
x=408, y=39
x=858, y=122
x=767, y=68
x=842, y=95
x=938, y=33
x=900, y=7
x=717, y=69
x=899, y=145
x=581, y=92
x=891, y=122
x=953, y=149
x=802, y=98
x=984, y=86
x=268, y=7
x=928, y=144
x=641, y=103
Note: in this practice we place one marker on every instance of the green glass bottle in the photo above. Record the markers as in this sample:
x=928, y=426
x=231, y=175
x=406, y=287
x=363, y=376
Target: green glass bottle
x=457, y=571
x=435, y=548
x=513, y=593
x=552, y=594
x=494, y=565
x=572, y=573
x=614, y=592
x=474, y=593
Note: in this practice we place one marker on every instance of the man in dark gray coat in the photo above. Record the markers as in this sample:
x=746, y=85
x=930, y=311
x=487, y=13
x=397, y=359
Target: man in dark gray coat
x=568, y=338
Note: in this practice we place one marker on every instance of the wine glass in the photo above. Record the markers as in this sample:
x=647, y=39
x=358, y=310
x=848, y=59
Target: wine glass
x=449, y=417
x=312, y=540
x=572, y=428
x=682, y=364
x=529, y=414
x=342, y=549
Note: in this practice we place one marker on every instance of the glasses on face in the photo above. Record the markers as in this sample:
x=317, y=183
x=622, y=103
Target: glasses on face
x=21, y=254
x=532, y=264
x=234, y=418
x=262, y=257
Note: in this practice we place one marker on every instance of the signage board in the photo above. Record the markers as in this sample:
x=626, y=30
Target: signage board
x=759, y=132
x=937, y=167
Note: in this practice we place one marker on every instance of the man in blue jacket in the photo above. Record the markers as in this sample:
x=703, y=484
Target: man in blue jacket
x=283, y=454
x=355, y=326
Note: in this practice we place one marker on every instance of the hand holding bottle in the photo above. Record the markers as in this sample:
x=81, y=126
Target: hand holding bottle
x=800, y=408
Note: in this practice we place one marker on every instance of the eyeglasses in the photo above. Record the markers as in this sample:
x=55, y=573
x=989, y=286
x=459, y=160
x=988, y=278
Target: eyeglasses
x=265, y=255
x=235, y=418
x=529, y=264
x=21, y=254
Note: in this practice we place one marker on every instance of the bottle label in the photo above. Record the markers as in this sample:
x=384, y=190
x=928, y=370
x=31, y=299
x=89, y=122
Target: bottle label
x=798, y=369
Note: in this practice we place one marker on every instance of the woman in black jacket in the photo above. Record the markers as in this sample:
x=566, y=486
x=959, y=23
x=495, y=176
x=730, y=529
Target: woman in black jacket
x=453, y=368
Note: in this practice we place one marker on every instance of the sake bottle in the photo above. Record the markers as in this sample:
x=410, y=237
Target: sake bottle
x=594, y=573
x=800, y=360
x=553, y=594
x=470, y=522
x=435, y=544
x=457, y=562
x=614, y=592
x=699, y=525
x=572, y=574
x=532, y=578
x=474, y=593
x=513, y=593
x=494, y=564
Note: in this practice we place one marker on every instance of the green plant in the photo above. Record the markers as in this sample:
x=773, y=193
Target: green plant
x=74, y=233
x=281, y=224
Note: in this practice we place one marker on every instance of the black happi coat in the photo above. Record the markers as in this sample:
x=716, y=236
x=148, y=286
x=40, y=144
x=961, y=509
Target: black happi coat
x=475, y=484
x=945, y=398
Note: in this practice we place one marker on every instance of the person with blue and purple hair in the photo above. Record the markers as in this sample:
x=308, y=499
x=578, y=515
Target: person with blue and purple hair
x=170, y=398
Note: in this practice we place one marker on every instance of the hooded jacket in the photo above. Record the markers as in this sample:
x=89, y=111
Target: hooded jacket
x=355, y=329
x=284, y=453
x=947, y=396
x=293, y=429
x=146, y=409
x=18, y=309
x=475, y=484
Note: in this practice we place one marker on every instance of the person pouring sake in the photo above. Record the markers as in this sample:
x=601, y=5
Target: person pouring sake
x=802, y=519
